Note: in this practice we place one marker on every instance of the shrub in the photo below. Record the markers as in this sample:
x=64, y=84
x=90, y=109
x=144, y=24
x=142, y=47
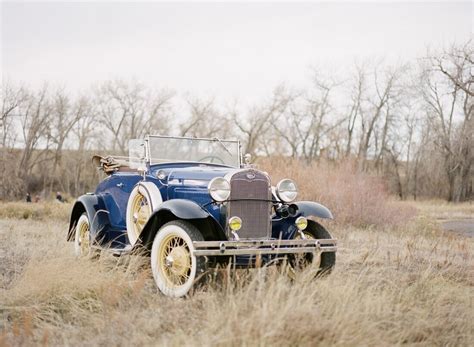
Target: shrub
x=354, y=197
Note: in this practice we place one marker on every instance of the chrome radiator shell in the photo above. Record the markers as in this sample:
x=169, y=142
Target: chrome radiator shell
x=250, y=199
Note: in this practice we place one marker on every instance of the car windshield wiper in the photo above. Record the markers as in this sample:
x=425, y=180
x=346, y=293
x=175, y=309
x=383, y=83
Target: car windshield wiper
x=227, y=150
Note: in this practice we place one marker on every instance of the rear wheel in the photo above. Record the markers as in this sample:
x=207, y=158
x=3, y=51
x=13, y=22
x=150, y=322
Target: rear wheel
x=323, y=261
x=82, y=238
x=175, y=268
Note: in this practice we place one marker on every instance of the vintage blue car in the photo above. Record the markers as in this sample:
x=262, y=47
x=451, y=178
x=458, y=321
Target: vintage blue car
x=192, y=204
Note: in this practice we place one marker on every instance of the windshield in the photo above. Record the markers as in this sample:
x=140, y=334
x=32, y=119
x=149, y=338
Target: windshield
x=169, y=149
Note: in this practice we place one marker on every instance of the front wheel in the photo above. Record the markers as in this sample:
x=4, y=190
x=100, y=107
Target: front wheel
x=175, y=268
x=324, y=261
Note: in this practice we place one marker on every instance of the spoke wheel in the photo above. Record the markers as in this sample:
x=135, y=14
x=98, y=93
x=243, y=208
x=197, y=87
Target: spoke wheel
x=175, y=260
x=82, y=242
x=144, y=198
x=141, y=211
x=175, y=268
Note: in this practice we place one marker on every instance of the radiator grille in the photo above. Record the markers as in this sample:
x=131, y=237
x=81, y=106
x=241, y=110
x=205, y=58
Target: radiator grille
x=255, y=209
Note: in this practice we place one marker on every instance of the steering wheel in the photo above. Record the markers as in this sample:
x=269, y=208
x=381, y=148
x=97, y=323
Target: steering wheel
x=211, y=159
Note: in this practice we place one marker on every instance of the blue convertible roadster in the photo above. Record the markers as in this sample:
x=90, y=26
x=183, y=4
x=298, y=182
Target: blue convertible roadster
x=193, y=204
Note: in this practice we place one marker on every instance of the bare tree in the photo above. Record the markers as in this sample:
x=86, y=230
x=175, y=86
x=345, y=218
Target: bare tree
x=309, y=120
x=287, y=128
x=449, y=109
x=34, y=116
x=256, y=127
x=376, y=109
x=11, y=99
x=321, y=117
x=131, y=110
x=204, y=120
x=457, y=65
x=64, y=116
x=357, y=91
x=84, y=130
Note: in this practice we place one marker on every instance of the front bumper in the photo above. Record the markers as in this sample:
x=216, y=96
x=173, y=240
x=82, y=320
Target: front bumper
x=258, y=247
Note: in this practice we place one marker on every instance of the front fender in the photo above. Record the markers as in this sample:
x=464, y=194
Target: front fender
x=313, y=209
x=184, y=210
x=96, y=211
x=285, y=227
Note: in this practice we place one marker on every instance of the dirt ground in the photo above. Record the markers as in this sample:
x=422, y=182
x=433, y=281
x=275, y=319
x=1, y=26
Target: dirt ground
x=459, y=226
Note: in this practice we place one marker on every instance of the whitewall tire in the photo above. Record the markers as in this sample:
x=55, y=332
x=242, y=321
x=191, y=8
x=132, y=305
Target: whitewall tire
x=82, y=239
x=175, y=268
x=144, y=199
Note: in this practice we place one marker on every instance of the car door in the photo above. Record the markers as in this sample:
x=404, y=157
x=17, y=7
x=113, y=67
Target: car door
x=119, y=186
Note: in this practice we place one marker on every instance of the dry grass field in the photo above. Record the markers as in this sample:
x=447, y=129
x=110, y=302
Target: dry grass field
x=407, y=284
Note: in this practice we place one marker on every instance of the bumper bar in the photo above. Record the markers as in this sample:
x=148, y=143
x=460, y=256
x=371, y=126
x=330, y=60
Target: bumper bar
x=257, y=247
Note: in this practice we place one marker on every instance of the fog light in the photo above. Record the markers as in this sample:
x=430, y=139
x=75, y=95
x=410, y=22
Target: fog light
x=235, y=223
x=301, y=223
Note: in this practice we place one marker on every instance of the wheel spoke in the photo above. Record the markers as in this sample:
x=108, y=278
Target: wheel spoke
x=175, y=260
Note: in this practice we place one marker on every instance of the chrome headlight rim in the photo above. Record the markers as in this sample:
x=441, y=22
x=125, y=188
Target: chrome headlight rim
x=285, y=194
x=219, y=189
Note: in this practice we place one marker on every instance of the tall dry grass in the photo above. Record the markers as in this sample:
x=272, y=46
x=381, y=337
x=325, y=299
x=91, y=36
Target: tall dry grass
x=398, y=280
x=45, y=210
x=441, y=209
x=413, y=285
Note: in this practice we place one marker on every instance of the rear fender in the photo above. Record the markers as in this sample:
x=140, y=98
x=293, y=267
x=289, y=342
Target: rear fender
x=94, y=206
x=180, y=209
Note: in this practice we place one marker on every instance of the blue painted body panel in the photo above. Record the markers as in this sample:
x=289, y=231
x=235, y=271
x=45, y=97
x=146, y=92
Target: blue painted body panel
x=186, y=181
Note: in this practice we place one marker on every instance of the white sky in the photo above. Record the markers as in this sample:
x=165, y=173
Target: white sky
x=230, y=50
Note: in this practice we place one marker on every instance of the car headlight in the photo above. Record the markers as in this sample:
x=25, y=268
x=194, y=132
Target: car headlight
x=286, y=190
x=219, y=189
x=301, y=223
x=235, y=223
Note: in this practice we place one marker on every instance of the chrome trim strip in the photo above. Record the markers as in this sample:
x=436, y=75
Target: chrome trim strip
x=256, y=247
x=263, y=243
x=192, y=138
x=257, y=251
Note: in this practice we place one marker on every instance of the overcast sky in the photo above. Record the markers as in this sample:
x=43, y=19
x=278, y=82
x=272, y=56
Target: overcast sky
x=238, y=50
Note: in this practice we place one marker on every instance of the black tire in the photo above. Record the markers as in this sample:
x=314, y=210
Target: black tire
x=328, y=259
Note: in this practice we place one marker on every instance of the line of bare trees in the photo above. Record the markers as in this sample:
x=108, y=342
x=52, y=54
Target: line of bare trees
x=412, y=123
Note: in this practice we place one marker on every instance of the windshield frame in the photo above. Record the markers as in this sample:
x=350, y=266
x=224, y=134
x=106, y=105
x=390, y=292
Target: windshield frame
x=215, y=139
